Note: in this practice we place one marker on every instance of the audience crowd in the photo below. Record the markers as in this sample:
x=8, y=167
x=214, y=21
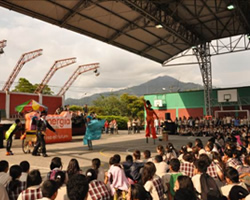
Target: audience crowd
x=208, y=126
x=216, y=170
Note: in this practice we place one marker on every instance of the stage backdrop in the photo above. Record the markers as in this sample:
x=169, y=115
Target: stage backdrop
x=61, y=123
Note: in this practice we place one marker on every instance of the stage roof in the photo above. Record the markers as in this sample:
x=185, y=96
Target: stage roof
x=131, y=24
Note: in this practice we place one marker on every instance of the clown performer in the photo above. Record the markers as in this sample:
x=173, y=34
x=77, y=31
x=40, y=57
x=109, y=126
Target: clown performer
x=150, y=120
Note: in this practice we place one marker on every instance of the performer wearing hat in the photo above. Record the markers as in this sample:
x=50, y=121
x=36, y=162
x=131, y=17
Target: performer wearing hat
x=150, y=119
x=42, y=124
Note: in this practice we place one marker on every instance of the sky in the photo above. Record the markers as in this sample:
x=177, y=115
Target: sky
x=118, y=68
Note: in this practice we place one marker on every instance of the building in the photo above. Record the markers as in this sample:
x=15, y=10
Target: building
x=226, y=101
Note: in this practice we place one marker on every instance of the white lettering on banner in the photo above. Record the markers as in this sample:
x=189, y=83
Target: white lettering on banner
x=49, y=137
x=59, y=122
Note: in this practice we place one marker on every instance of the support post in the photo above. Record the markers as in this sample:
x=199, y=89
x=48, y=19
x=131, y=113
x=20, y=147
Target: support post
x=203, y=56
x=40, y=98
x=7, y=104
x=63, y=100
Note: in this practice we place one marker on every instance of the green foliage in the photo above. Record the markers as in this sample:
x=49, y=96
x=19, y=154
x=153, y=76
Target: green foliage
x=46, y=89
x=125, y=105
x=121, y=121
x=75, y=108
x=97, y=110
x=25, y=86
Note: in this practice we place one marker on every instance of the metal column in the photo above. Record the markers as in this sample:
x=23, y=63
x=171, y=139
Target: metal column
x=203, y=56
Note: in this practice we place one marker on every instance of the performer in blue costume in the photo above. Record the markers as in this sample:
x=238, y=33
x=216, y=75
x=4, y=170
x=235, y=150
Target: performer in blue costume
x=93, y=131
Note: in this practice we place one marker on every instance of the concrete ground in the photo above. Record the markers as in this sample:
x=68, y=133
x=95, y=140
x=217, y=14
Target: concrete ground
x=103, y=149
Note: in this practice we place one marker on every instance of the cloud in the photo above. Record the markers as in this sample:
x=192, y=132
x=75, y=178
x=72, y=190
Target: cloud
x=119, y=68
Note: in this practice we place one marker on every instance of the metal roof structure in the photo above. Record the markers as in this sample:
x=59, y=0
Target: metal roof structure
x=131, y=24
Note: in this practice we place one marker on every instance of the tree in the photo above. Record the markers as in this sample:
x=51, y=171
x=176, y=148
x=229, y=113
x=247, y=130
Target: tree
x=46, y=89
x=125, y=105
x=25, y=86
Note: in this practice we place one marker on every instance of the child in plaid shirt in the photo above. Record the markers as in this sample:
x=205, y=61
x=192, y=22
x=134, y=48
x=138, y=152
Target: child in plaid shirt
x=97, y=189
x=33, y=190
x=152, y=183
x=15, y=187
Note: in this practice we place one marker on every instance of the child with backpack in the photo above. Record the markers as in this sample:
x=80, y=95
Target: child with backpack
x=204, y=184
x=171, y=177
x=55, y=166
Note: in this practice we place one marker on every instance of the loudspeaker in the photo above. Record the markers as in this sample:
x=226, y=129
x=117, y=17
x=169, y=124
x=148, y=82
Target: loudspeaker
x=167, y=116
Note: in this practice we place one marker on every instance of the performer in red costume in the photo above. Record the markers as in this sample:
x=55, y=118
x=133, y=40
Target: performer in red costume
x=150, y=119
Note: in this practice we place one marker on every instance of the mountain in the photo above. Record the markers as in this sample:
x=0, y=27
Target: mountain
x=162, y=84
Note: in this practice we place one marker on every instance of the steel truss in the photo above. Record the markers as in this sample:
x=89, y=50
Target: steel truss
x=152, y=12
x=2, y=45
x=56, y=66
x=202, y=54
x=81, y=69
x=26, y=57
x=217, y=47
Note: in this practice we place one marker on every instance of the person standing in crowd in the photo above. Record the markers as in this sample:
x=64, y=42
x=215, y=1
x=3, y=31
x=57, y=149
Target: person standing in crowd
x=115, y=126
x=156, y=124
x=85, y=109
x=106, y=126
x=9, y=134
x=129, y=125
x=111, y=127
x=134, y=125
x=42, y=125
x=150, y=119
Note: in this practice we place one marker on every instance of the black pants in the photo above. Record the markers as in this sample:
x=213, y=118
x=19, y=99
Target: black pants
x=9, y=143
x=90, y=145
x=40, y=142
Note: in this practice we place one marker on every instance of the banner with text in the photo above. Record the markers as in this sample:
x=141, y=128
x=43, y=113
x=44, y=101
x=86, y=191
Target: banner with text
x=61, y=123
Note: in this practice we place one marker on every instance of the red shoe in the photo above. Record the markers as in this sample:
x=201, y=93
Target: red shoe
x=8, y=154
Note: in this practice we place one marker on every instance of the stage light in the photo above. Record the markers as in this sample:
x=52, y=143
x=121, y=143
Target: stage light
x=158, y=26
x=195, y=49
x=230, y=7
x=96, y=72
